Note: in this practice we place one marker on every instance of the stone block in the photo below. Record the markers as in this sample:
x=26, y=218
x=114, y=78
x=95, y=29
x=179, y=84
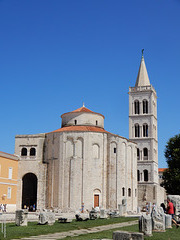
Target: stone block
x=145, y=225
x=103, y=214
x=137, y=236
x=121, y=235
x=120, y=208
x=158, y=220
x=43, y=218
x=51, y=218
x=168, y=221
x=21, y=217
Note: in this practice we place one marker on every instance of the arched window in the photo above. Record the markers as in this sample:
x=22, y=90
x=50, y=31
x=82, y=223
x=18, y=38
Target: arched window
x=136, y=107
x=145, y=153
x=145, y=106
x=145, y=130
x=137, y=130
x=138, y=175
x=32, y=152
x=146, y=175
x=138, y=154
x=75, y=122
x=123, y=191
x=129, y=192
x=96, y=122
x=24, y=152
x=96, y=151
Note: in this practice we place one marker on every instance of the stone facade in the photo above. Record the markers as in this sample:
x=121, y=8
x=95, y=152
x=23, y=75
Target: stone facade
x=79, y=164
x=143, y=131
x=29, y=163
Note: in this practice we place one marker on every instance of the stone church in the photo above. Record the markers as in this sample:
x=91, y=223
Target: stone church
x=83, y=164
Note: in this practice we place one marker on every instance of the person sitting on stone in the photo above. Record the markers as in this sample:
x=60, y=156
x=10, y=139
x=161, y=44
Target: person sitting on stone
x=170, y=210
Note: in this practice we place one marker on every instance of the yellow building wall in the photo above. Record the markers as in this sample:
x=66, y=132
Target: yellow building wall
x=8, y=179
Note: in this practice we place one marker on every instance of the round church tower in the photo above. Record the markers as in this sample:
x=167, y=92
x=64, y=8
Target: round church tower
x=82, y=117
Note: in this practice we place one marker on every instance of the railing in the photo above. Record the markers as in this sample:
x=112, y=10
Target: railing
x=141, y=88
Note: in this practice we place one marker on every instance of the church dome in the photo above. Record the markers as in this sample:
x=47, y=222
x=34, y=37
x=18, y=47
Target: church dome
x=82, y=117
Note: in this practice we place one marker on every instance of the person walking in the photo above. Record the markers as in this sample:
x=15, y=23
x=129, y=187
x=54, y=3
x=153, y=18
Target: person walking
x=170, y=210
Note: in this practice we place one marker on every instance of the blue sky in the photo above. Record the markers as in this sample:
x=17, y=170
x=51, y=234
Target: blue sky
x=57, y=54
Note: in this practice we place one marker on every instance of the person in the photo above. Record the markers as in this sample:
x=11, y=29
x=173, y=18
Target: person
x=34, y=207
x=153, y=206
x=163, y=207
x=147, y=208
x=82, y=208
x=170, y=210
x=2, y=207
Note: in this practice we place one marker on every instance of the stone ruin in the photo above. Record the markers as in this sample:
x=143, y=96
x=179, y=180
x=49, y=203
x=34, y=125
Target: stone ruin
x=21, y=217
x=145, y=224
x=158, y=219
x=46, y=218
x=123, y=235
x=123, y=207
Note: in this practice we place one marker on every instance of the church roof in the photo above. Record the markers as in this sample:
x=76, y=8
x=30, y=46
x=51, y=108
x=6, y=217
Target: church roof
x=85, y=129
x=83, y=109
x=142, y=78
x=80, y=129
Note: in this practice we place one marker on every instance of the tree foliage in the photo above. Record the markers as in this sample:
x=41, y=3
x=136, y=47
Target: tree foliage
x=171, y=177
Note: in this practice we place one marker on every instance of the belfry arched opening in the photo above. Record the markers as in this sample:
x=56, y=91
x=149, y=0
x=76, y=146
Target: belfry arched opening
x=29, y=191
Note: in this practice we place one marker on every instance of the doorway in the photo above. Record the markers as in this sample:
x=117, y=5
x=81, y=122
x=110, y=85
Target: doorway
x=29, y=191
x=96, y=200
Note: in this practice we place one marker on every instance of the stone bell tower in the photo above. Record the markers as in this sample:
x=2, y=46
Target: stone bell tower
x=143, y=131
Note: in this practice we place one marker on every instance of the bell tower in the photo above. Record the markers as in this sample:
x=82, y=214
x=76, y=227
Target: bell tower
x=143, y=129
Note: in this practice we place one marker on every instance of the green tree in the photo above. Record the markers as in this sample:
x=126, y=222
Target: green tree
x=171, y=177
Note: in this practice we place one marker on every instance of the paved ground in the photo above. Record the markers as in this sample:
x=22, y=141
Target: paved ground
x=74, y=233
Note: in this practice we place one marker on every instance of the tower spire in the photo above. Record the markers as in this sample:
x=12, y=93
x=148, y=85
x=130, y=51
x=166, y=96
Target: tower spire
x=142, y=78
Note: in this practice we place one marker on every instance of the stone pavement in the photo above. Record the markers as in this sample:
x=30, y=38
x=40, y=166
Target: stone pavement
x=73, y=233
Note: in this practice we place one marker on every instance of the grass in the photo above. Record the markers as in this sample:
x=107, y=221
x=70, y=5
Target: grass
x=170, y=234
x=33, y=229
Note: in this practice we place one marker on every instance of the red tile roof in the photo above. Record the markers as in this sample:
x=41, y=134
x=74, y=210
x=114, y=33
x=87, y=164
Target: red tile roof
x=161, y=169
x=85, y=129
x=82, y=109
x=81, y=129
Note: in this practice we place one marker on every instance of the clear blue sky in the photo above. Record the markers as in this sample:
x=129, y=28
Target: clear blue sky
x=57, y=54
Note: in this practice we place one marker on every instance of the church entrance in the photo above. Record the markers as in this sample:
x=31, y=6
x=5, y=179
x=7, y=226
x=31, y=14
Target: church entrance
x=96, y=200
x=29, y=191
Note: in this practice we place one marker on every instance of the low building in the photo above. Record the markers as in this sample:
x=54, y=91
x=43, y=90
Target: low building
x=8, y=180
x=160, y=174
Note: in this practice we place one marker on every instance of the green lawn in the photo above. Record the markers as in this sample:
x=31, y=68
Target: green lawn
x=34, y=229
x=170, y=234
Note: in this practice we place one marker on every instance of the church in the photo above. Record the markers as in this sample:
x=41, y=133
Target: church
x=83, y=164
